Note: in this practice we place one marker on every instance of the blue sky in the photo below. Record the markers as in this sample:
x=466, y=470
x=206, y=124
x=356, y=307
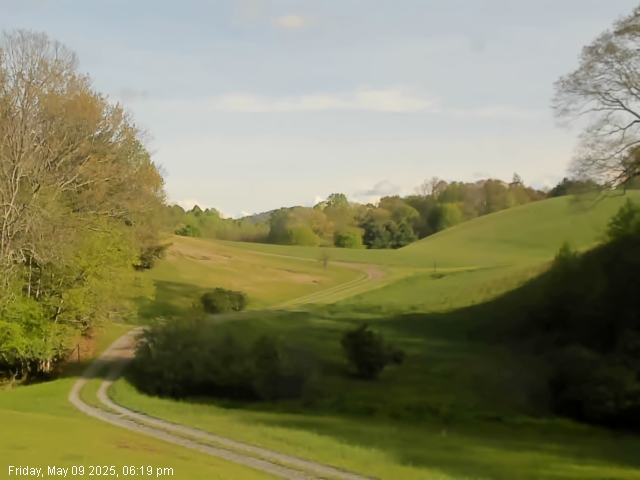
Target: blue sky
x=253, y=105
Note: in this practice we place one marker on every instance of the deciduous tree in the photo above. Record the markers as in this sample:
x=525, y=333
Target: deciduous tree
x=604, y=91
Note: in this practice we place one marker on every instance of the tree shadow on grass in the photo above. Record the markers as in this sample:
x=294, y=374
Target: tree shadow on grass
x=482, y=394
x=455, y=381
x=486, y=451
x=171, y=299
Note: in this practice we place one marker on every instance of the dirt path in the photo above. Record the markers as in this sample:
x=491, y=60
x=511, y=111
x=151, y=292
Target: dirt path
x=116, y=358
x=121, y=345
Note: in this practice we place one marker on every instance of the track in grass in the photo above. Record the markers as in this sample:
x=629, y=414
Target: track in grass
x=116, y=357
x=286, y=466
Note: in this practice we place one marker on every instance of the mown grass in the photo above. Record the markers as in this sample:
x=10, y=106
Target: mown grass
x=458, y=408
x=440, y=291
x=194, y=265
x=40, y=428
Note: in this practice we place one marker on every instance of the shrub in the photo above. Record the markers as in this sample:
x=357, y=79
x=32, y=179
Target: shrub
x=149, y=255
x=221, y=300
x=199, y=358
x=595, y=388
x=368, y=352
x=626, y=222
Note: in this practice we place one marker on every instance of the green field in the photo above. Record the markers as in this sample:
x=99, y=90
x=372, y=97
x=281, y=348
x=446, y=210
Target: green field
x=41, y=428
x=457, y=409
x=528, y=234
x=193, y=265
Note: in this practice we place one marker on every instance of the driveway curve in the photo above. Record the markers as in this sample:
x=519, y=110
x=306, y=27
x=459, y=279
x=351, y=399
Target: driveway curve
x=115, y=359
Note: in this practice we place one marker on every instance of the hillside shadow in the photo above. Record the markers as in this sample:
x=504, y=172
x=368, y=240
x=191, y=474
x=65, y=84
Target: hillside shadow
x=171, y=299
x=458, y=404
x=479, y=451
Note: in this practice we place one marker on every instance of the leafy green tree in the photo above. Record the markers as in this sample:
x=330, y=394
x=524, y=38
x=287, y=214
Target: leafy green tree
x=400, y=211
x=189, y=231
x=376, y=235
x=424, y=205
x=295, y=226
x=368, y=352
x=570, y=186
x=348, y=239
x=337, y=200
x=496, y=196
x=303, y=235
x=79, y=205
x=387, y=235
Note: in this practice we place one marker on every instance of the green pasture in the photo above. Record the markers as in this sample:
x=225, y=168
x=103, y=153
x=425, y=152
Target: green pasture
x=457, y=409
x=194, y=265
x=528, y=234
x=41, y=428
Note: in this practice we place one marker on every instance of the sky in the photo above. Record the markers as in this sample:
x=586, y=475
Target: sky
x=254, y=105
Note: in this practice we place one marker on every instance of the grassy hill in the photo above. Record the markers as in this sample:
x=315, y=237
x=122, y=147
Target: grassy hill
x=457, y=409
x=194, y=265
x=523, y=235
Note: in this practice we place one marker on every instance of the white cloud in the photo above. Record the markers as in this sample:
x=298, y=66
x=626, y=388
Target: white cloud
x=497, y=111
x=546, y=181
x=389, y=100
x=380, y=189
x=290, y=21
x=481, y=175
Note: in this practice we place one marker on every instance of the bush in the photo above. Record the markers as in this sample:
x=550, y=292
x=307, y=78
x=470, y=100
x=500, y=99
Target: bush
x=221, y=300
x=149, y=255
x=199, y=358
x=595, y=388
x=368, y=352
x=626, y=222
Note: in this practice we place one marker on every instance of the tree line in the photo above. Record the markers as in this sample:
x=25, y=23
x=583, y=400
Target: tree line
x=80, y=205
x=391, y=223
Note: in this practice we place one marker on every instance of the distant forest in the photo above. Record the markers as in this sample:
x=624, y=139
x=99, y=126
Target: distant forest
x=391, y=223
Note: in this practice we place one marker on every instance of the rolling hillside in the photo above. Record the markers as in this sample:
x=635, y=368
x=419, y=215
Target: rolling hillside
x=458, y=408
x=523, y=235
